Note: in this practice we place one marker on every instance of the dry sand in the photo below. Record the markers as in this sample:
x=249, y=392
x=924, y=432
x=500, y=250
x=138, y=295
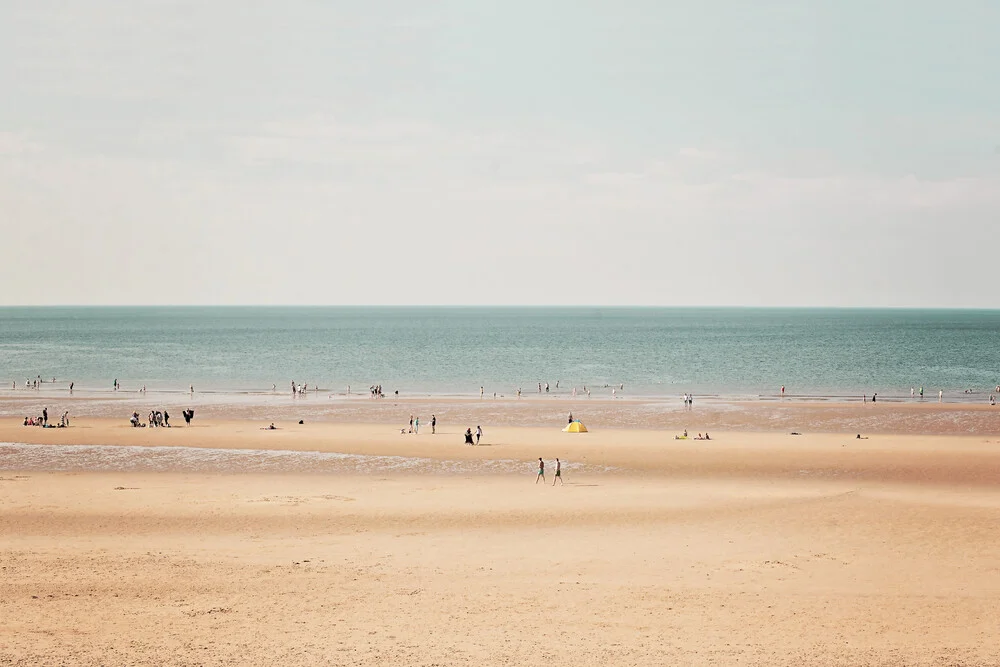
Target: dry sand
x=753, y=548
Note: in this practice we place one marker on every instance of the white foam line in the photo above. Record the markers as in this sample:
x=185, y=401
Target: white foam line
x=107, y=458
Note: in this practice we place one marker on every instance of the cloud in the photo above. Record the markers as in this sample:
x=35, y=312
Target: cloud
x=18, y=144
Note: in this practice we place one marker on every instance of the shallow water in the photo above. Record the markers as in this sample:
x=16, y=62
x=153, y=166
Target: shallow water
x=731, y=352
x=106, y=458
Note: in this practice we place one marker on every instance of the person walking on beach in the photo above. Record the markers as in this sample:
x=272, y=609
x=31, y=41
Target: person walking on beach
x=45, y=416
x=71, y=387
x=434, y=423
x=570, y=418
x=921, y=393
x=166, y=418
x=479, y=433
x=411, y=423
x=116, y=384
x=541, y=471
x=558, y=475
x=416, y=426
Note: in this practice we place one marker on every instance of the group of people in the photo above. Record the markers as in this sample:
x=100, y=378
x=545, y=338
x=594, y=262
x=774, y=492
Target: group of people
x=698, y=437
x=415, y=425
x=43, y=420
x=35, y=384
x=374, y=391
x=158, y=419
x=689, y=399
x=155, y=419
x=469, y=435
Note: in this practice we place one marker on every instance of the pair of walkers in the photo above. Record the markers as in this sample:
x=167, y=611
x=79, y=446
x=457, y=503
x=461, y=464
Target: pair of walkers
x=541, y=472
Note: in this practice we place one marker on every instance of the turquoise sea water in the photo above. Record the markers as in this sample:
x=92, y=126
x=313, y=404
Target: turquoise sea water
x=435, y=350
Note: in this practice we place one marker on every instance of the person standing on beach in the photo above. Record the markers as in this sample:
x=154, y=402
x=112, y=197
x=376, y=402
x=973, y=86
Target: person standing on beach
x=940, y=396
x=71, y=387
x=116, y=384
x=434, y=423
x=45, y=416
x=921, y=393
x=479, y=433
x=541, y=471
x=873, y=396
x=411, y=423
x=782, y=391
x=558, y=475
x=481, y=392
x=416, y=426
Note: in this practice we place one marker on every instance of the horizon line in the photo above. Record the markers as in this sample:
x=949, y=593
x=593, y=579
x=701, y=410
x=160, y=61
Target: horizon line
x=492, y=305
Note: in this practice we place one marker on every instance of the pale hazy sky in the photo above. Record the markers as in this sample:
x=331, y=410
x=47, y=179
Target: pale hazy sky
x=501, y=152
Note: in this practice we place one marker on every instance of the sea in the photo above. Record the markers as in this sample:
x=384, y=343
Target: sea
x=453, y=351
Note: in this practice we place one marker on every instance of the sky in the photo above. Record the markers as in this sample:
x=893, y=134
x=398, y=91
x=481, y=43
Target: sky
x=643, y=152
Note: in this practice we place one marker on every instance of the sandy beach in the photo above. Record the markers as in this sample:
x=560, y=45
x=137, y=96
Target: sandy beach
x=755, y=548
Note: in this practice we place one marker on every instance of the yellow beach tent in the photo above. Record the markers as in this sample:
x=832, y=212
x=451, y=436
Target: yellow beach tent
x=575, y=427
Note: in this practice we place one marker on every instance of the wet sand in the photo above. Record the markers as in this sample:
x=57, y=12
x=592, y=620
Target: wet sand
x=899, y=416
x=757, y=548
